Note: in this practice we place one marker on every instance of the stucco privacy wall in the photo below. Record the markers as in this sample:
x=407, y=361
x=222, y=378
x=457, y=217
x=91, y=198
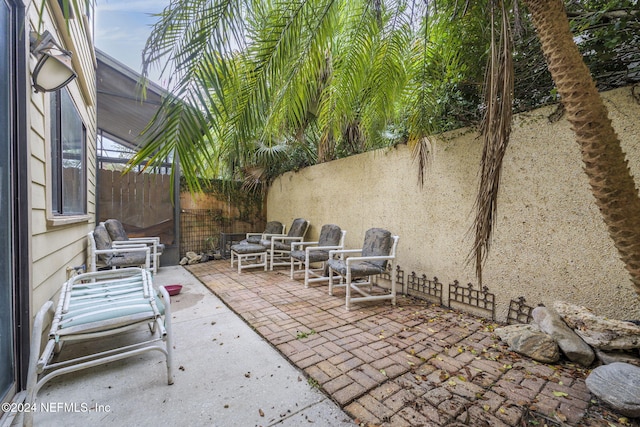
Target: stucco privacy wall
x=550, y=241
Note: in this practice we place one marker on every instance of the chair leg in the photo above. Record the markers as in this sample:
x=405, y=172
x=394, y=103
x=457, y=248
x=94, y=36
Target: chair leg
x=306, y=274
x=169, y=336
x=348, y=291
x=330, y=281
x=393, y=286
x=271, y=256
x=32, y=374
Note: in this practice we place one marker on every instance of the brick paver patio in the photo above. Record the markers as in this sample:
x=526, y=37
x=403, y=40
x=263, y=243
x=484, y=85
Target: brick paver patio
x=414, y=364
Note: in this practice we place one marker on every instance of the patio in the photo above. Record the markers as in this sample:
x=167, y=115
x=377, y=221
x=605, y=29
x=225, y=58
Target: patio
x=413, y=364
x=225, y=374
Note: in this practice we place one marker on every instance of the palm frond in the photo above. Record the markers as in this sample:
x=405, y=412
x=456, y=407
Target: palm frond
x=495, y=131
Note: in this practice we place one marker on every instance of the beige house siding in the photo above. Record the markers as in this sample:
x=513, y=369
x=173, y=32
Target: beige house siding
x=54, y=246
x=550, y=242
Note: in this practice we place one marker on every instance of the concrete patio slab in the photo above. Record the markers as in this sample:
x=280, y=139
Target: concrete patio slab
x=226, y=375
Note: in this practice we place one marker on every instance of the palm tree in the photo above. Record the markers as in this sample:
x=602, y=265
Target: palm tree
x=241, y=65
x=604, y=161
x=611, y=182
x=310, y=80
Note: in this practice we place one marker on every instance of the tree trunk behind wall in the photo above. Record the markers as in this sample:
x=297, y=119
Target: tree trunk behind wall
x=611, y=181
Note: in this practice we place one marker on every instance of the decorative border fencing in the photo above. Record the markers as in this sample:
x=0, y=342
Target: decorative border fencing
x=466, y=298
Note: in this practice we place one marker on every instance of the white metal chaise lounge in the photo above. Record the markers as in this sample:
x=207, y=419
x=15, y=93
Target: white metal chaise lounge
x=97, y=305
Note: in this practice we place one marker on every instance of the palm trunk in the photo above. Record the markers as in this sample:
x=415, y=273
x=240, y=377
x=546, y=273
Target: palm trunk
x=611, y=181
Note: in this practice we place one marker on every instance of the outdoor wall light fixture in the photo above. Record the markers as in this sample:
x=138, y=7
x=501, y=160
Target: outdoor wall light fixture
x=53, y=70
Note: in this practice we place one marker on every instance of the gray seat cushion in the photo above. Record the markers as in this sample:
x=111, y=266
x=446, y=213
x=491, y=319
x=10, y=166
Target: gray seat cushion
x=272, y=227
x=127, y=259
x=330, y=235
x=298, y=228
x=252, y=239
x=314, y=256
x=248, y=248
x=116, y=230
x=358, y=269
x=103, y=241
x=377, y=242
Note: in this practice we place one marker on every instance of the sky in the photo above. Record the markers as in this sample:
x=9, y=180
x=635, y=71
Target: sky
x=122, y=28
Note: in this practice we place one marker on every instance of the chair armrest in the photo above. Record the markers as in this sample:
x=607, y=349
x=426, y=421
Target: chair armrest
x=124, y=249
x=369, y=258
x=128, y=244
x=286, y=238
x=254, y=234
x=139, y=242
x=301, y=245
x=283, y=238
x=345, y=251
x=267, y=236
x=323, y=248
x=155, y=240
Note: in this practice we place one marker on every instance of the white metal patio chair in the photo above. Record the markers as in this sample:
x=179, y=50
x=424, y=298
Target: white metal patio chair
x=379, y=248
x=279, y=246
x=98, y=305
x=305, y=255
x=119, y=238
x=273, y=228
x=103, y=254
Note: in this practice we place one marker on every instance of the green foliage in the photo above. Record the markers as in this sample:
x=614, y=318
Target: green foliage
x=263, y=87
x=606, y=32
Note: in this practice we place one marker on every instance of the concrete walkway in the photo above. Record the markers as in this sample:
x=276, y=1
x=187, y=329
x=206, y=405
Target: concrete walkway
x=410, y=365
x=226, y=375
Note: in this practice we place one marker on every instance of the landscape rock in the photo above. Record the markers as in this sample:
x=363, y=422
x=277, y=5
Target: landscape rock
x=618, y=385
x=530, y=341
x=569, y=342
x=608, y=357
x=192, y=258
x=599, y=332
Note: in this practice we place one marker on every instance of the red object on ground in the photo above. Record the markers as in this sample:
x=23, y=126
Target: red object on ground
x=173, y=289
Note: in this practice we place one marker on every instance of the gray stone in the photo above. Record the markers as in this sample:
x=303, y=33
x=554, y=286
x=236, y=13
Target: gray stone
x=599, y=332
x=530, y=341
x=618, y=385
x=569, y=342
x=608, y=357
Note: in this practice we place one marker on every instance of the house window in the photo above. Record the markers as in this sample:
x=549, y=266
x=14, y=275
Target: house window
x=68, y=157
x=61, y=3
